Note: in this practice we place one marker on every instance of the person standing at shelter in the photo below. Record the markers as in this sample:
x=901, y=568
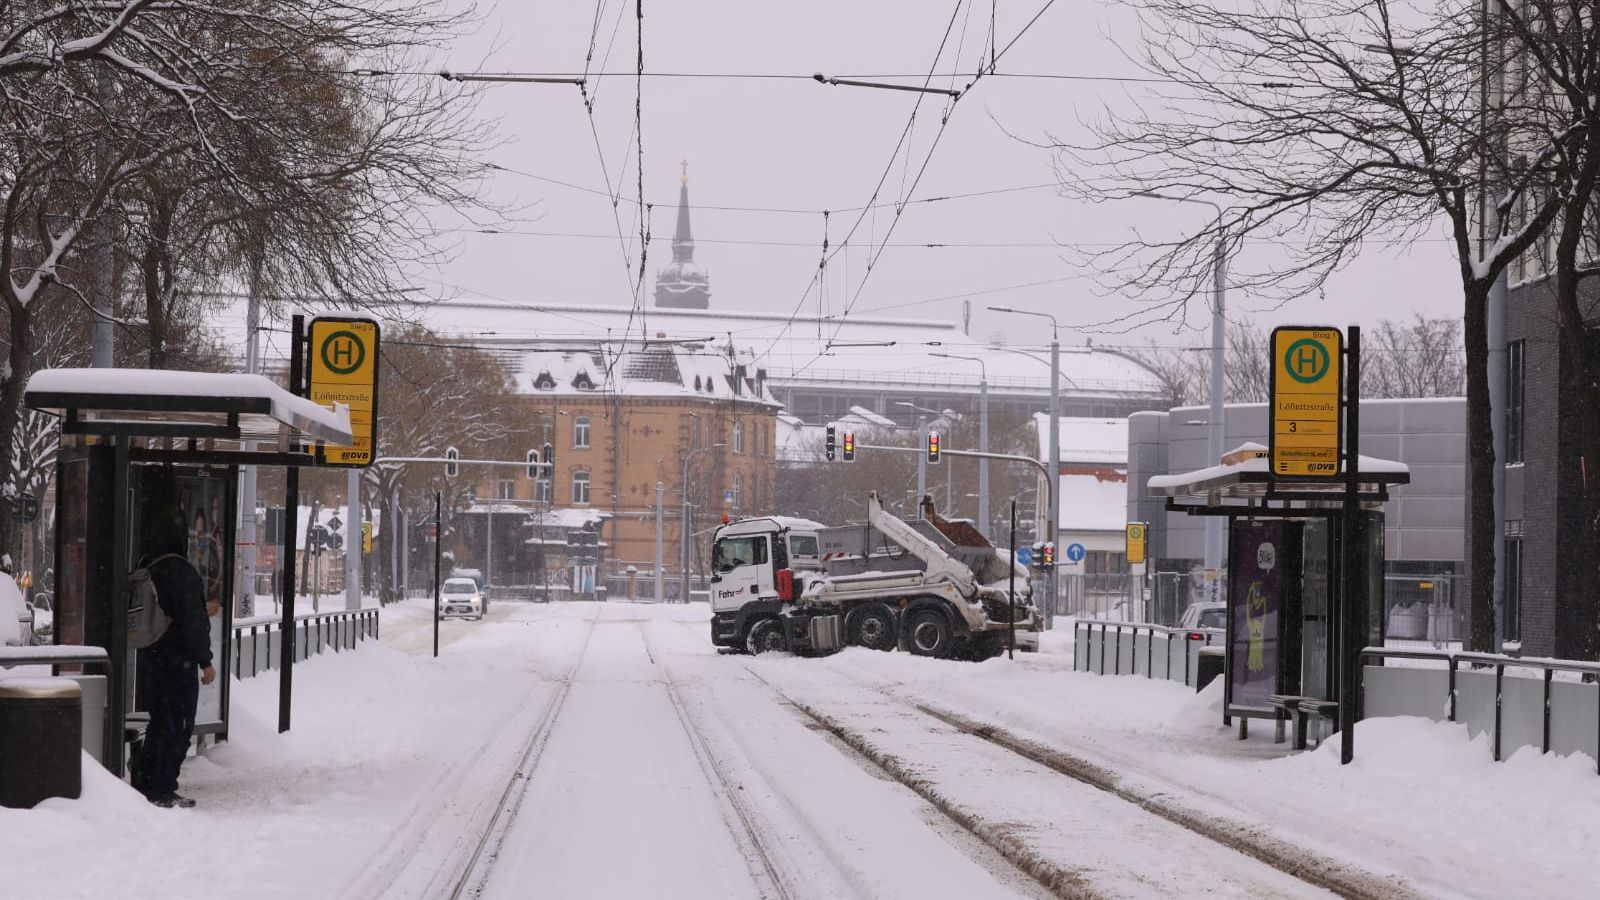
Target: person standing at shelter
x=172, y=669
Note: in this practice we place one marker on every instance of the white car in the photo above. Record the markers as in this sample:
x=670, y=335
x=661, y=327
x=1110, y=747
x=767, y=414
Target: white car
x=460, y=597
x=1205, y=615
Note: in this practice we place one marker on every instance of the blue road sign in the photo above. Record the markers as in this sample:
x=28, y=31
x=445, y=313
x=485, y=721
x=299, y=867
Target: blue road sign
x=1025, y=556
x=1075, y=553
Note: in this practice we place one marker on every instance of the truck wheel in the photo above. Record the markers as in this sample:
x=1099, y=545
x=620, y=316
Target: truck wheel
x=928, y=633
x=766, y=635
x=871, y=627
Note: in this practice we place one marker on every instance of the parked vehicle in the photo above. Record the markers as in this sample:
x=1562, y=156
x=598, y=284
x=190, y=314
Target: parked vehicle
x=461, y=598
x=935, y=587
x=1204, y=615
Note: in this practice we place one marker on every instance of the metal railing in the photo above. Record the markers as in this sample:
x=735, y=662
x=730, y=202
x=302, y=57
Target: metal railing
x=1094, y=642
x=1591, y=671
x=257, y=647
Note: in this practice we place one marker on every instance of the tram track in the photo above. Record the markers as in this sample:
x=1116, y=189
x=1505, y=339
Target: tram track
x=476, y=834
x=1300, y=863
x=767, y=873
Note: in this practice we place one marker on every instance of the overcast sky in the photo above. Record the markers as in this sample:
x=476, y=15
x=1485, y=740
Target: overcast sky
x=798, y=145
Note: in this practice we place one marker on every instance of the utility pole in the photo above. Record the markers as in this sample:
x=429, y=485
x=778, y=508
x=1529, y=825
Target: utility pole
x=661, y=499
x=488, y=540
x=247, y=474
x=688, y=523
x=1215, y=425
x=1053, y=514
x=352, y=540
x=102, y=336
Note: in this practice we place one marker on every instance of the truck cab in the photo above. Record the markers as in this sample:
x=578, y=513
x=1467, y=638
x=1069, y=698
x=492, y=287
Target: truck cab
x=756, y=565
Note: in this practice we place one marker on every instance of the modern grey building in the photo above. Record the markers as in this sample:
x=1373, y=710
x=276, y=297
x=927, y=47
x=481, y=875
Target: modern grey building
x=1426, y=519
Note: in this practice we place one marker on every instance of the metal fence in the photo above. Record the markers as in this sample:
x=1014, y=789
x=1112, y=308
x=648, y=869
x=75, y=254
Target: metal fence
x=257, y=646
x=1518, y=701
x=1140, y=648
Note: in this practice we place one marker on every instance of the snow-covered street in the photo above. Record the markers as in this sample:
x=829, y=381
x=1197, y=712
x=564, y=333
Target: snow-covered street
x=605, y=750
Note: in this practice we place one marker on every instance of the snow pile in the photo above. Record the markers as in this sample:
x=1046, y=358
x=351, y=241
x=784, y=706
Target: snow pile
x=12, y=608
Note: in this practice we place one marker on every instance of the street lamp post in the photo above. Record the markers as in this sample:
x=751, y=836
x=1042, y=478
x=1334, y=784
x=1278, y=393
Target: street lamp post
x=1052, y=515
x=983, y=433
x=1216, y=426
x=687, y=527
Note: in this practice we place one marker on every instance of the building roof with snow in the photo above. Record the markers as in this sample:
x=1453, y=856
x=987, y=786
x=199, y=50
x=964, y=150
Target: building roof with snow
x=1085, y=440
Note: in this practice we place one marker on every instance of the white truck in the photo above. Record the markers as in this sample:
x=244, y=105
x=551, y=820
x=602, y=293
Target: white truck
x=934, y=587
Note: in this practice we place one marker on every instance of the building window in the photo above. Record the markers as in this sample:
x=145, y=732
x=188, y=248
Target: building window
x=542, y=490
x=1514, y=401
x=505, y=489
x=1512, y=617
x=580, y=432
x=738, y=488
x=738, y=437
x=580, y=488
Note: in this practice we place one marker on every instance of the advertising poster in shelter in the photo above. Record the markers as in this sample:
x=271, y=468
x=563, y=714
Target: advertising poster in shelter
x=1254, y=595
x=200, y=497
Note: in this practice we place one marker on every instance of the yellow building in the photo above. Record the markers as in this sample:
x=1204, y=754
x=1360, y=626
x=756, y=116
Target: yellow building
x=620, y=425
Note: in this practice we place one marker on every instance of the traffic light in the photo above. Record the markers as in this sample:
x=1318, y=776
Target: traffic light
x=830, y=444
x=849, y=446
x=451, y=454
x=1036, y=559
x=1049, y=553
x=933, y=446
x=549, y=457
x=534, y=468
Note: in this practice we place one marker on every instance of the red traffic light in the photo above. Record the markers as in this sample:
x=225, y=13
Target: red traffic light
x=933, y=446
x=849, y=446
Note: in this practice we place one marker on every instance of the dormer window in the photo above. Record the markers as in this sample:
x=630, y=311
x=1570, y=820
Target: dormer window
x=544, y=381
x=582, y=381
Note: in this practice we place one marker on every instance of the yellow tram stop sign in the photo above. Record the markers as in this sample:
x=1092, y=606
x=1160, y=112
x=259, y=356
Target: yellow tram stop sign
x=1136, y=532
x=344, y=369
x=1307, y=375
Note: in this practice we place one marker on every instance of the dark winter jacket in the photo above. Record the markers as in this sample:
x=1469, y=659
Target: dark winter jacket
x=183, y=598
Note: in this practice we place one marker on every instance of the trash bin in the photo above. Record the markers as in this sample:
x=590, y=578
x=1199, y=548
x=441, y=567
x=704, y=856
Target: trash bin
x=1209, y=663
x=41, y=740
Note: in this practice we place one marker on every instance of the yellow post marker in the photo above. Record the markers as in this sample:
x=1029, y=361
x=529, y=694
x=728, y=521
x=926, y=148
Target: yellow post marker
x=1136, y=543
x=344, y=369
x=1307, y=375
x=366, y=537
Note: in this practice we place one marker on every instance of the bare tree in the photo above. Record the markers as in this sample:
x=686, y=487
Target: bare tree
x=1318, y=127
x=223, y=136
x=1420, y=358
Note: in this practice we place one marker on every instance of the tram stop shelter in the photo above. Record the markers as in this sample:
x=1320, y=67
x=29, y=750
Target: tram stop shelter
x=1304, y=591
x=138, y=445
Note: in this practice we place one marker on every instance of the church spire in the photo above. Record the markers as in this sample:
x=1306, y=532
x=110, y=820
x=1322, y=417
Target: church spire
x=682, y=284
x=683, y=238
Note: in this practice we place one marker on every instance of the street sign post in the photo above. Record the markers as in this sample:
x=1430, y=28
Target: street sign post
x=1306, y=428
x=1076, y=553
x=344, y=369
x=1024, y=556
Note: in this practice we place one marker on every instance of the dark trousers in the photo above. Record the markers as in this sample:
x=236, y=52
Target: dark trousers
x=171, y=690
